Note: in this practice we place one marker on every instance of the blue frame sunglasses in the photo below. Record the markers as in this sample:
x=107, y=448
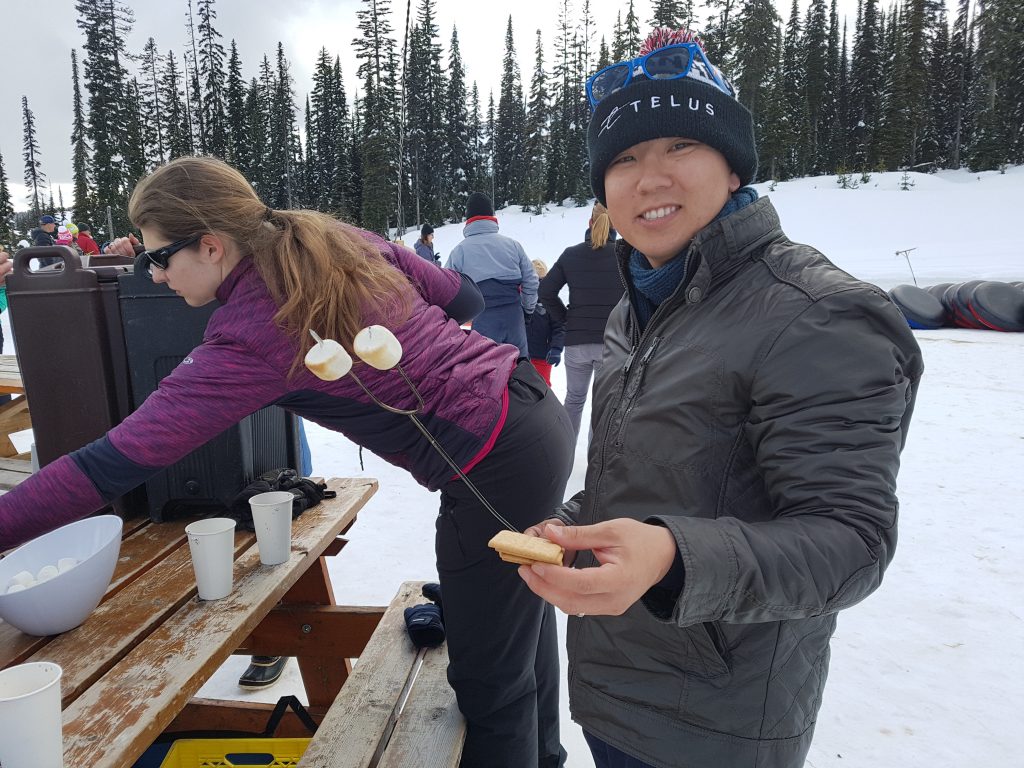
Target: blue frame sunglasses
x=669, y=63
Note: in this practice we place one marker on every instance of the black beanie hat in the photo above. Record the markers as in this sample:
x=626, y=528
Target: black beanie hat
x=426, y=230
x=479, y=204
x=659, y=109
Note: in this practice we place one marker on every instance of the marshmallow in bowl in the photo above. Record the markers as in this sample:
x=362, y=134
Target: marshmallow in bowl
x=66, y=564
x=24, y=578
x=46, y=573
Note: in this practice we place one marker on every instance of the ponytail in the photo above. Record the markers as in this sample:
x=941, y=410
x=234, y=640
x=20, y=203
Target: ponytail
x=600, y=227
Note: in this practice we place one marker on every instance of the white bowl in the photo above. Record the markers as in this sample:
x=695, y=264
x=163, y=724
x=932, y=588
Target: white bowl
x=66, y=600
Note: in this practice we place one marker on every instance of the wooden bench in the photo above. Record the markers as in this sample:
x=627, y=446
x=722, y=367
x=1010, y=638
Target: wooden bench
x=396, y=709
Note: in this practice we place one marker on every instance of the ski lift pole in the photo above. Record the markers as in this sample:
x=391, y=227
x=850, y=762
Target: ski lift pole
x=905, y=253
x=110, y=225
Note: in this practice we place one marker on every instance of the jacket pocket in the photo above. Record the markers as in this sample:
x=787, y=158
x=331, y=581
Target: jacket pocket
x=636, y=659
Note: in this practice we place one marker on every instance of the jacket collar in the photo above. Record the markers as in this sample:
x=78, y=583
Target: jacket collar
x=226, y=288
x=480, y=225
x=723, y=245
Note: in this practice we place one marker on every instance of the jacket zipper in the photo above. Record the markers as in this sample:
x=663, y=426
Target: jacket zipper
x=638, y=340
x=633, y=391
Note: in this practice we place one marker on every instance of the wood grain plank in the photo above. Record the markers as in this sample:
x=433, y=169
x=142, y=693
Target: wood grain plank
x=431, y=730
x=118, y=717
x=337, y=631
x=118, y=625
x=359, y=722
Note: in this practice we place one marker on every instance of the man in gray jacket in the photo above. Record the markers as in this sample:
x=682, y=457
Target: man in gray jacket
x=748, y=421
x=503, y=272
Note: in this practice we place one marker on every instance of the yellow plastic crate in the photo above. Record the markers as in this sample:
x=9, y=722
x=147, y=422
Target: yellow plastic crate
x=218, y=753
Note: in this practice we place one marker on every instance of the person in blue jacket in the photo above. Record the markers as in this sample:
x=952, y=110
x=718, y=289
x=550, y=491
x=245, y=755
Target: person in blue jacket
x=503, y=272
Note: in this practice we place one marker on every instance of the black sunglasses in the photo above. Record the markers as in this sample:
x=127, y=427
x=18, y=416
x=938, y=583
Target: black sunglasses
x=160, y=257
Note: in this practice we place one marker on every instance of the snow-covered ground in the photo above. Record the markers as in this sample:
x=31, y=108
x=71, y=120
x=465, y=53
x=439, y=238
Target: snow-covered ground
x=929, y=671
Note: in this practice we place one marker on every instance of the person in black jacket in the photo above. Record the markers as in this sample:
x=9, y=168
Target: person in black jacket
x=545, y=336
x=590, y=271
x=748, y=422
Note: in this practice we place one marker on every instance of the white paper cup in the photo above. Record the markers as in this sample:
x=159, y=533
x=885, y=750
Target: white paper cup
x=272, y=518
x=30, y=719
x=212, y=543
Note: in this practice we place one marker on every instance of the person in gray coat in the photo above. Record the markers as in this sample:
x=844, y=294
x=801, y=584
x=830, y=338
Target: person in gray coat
x=424, y=247
x=748, y=423
x=503, y=272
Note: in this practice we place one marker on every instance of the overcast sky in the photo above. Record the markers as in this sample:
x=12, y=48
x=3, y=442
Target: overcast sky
x=35, y=55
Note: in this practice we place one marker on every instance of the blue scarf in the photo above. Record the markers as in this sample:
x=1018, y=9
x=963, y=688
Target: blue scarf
x=653, y=286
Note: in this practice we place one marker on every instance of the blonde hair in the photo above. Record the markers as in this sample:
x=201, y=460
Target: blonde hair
x=540, y=267
x=323, y=275
x=600, y=227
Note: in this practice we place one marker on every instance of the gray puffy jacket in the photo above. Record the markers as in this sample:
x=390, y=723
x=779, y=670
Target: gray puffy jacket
x=760, y=417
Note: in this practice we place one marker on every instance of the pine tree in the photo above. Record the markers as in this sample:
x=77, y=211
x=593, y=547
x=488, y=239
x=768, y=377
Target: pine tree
x=257, y=119
x=771, y=126
x=618, y=51
x=378, y=120
x=79, y=150
x=177, y=132
x=283, y=167
x=424, y=86
x=489, y=147
x=719, y=32
x=631, y=33
x=135, y=154
x=105, y=25
x=794, y=98
x=478, y=142
x=939, y=101
x=562, y=150
x=234, y=113
x=7, y=236
x=34, y=176
x=961, y=73
x=998, y=87
x=816, y=87
x=211, y=71
x=756, y=55
x=666, y=14
x=193, y=90
x=604, y=57
x=326, y=137
x=149, y=91
x=341, y=201
x=509, y=168
x=865, y=84
x=458, y=162
x=538, y=118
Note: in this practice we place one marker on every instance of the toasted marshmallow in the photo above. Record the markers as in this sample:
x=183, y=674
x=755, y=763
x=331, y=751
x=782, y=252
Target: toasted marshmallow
x=328, y=360
x=377, y=346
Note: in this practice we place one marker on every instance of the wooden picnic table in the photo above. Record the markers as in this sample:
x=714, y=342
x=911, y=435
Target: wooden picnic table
x=14, y=415
x=131, y=669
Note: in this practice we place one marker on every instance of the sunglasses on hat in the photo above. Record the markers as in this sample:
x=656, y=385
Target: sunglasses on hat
x=669, y=63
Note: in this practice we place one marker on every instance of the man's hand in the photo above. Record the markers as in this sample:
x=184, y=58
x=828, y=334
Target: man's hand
x=6, y=266
x=554, y=357
x=538, y=530
x=633, y=557
x=124, y=246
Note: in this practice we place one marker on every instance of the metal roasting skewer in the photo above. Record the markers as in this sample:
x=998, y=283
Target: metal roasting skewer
x=413, y=415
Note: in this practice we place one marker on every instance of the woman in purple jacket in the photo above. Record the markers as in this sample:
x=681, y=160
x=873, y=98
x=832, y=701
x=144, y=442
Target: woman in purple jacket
x=277, y=274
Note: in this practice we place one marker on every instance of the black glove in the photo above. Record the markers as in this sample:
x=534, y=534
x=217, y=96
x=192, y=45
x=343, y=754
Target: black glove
x=306, y=492
x=527, y=317
x=554, y=356
x=423, y=622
